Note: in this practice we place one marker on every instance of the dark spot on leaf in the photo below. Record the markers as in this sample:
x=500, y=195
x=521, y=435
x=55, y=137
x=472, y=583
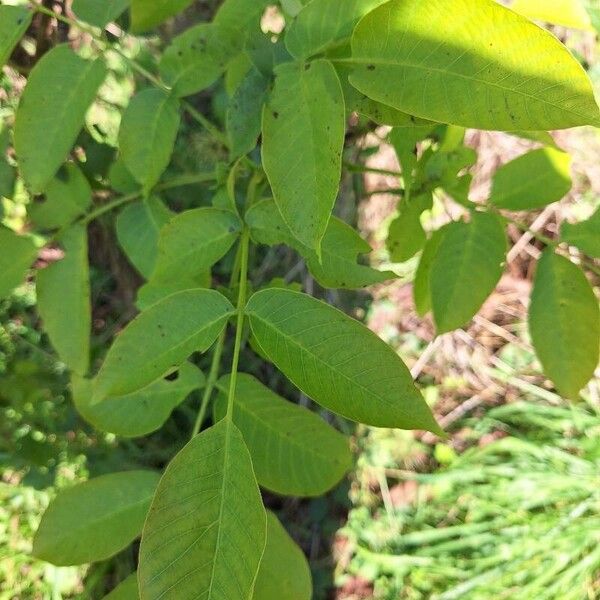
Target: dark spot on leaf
x=371, y=67
x=172, y=376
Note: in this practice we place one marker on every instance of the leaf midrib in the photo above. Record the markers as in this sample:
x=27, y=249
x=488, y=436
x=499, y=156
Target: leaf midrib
x=421, y=67
x=318, y=359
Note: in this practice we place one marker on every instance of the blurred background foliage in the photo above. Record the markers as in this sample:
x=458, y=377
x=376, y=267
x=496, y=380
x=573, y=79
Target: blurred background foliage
x=507, y=507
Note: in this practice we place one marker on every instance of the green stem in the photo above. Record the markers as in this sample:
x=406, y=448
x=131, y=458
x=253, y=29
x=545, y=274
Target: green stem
x=179, y=181
x=109, y=206
x=353, y=168
x=212, y=380
x=239, y=327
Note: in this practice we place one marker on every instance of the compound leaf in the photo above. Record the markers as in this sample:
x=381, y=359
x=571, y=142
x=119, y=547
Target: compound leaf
x=284, y=571
x=337, y=361
x=303, y=136
x=63, y=301
x=51, y=112
x=564, y=321
x=340, y=247
x=584, y=235
x=14, y=21
x=427, y=59
x=18, y=253
x=206, y=529
x=159, y=340
x=67, y=197
x=138, y=227
x=533, y=180
x=193, y=241
x=139, y=413
x=294, y=452
x=147, y=135
x=94, y=520
x=466, y=268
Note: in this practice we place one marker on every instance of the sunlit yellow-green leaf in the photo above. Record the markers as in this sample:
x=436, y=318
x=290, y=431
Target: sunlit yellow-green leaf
x=532, y=181
x=473, y=63
x=568, y=13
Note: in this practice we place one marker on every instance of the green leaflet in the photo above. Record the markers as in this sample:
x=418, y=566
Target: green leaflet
x=584, y=235
x=67, y=197
x=421, y=287
x=405, y=140
x=51, y=112
x=206, y=529
x=139, y=413
x=14, y=21
x=159, y=339
x=92, y=521
x=568, y=13
x=154, y=291
x=138, y=227
x=120, y=178
x=406, y=235
x=284, y=571
x=466, y=268
x=564, y=322
x=193, y=61
x=533, y=180
x=63, y=301
x=264, y=53
x=303, y=137
x=233, y=21
x=8, y=174
x=340, y=248
x=321, y=23
x=356, y=101
x=126, y=590
x=97, y=13
x=156, y=114
x=244, y=113
x=427, y=59
x=193, y=241
x=294, y=452
x=337, y=361
x=18, y=252
x=146, y=15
